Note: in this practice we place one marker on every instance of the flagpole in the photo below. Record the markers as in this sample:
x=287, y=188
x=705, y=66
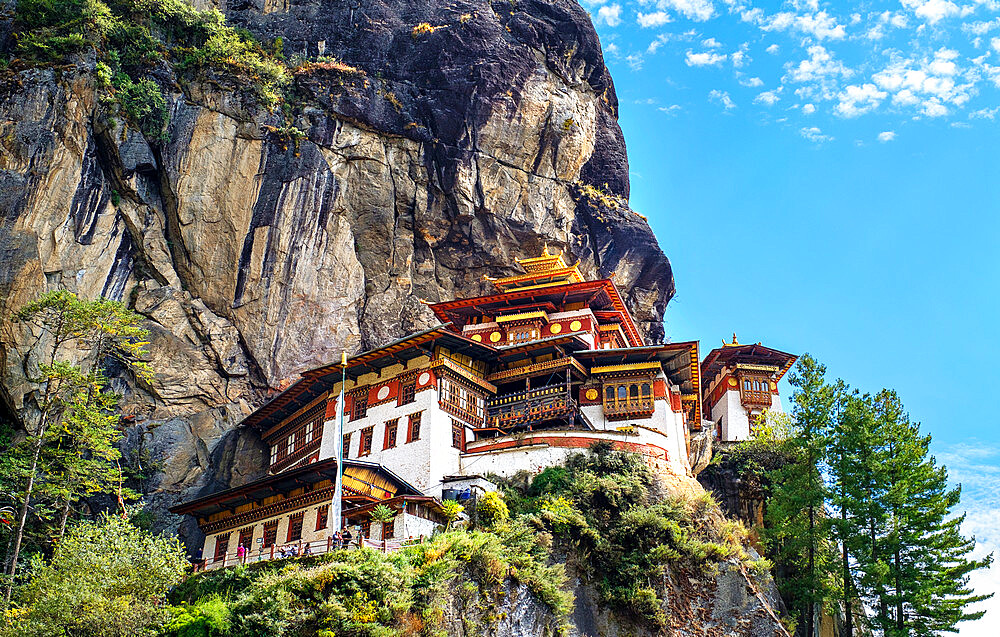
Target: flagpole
x=339, y=483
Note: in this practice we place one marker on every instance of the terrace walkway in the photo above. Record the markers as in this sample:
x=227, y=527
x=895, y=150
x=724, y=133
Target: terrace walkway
x=300, y=549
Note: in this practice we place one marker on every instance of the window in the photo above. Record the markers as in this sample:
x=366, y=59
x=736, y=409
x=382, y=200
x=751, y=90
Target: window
x=270, y=533
x=388, y=529
x=366, y=441
x=221, y=546
x=295, y=527
x=246, y=538
x=290, y=449
x=407, y=393
x=347, y=445
x=322, y=515
x=360, y=409
x=457, y=435
x=274, y=453
x=413, y=431
x=366, y=529
x=390, y=433
x=309, y=433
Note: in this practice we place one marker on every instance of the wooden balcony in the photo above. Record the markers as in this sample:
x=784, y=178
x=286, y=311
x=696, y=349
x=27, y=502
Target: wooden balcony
x=527, y=407
x=629, y=407
x=759, y=399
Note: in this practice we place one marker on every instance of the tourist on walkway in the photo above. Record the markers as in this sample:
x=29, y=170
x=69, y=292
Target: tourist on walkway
x=241, y=553
x=347, y=537
x=338, y=539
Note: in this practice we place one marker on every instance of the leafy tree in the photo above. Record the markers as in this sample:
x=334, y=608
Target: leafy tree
x=451, y=510
x=106, y=578
x=74, y=423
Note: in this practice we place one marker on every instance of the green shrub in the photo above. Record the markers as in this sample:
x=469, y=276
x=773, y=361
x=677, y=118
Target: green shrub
x=492, y=510
x=208, y=618
x=131, y=36
x=144, y=104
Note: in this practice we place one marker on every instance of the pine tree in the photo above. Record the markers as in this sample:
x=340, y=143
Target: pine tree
x=925, y=589
x=798, y=529
x=847, y=451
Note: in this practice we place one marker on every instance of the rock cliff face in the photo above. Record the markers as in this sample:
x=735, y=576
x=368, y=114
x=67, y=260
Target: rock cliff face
x=431, y=156
x=726, y=604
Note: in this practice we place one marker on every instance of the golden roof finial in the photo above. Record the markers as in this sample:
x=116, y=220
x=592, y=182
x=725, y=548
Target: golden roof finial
x=546, y=249
x=735, y=342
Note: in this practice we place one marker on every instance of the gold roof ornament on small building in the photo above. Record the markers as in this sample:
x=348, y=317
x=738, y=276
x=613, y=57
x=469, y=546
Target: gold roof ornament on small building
x=735, y=343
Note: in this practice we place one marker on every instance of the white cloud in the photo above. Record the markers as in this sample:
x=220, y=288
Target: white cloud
x=930, y=84
x=669, y=110
x=773, y=49
x=814, y=134
x=611, y=15
x=706, y=58
x=933, y=11
x=634, y=61
x=857, y=100
x=819, y=74
x=769, y=98
x=934, y=108
x=723, y=98
x=741, y=58
x=985, y=113
x=808, y=109
x=752, y=81
x=886, y=136
x=655, y=19
x=995, y=44
x=711, y=43
x=698, y=10
x=820, y=25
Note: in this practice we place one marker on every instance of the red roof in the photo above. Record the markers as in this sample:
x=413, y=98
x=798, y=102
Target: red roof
x=460, y=310
x=755, y=354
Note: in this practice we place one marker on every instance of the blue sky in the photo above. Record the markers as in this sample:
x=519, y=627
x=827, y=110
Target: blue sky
x=825, y=178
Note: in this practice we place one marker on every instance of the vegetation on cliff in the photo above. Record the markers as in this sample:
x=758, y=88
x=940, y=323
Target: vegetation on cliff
x=626, y=529
x=605, y=513
x=135, y=40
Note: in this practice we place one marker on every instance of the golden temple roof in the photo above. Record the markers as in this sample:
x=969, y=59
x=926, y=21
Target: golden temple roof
x=541, y=271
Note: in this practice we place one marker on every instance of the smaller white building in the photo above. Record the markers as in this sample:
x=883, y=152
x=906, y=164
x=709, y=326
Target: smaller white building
x=740, y=383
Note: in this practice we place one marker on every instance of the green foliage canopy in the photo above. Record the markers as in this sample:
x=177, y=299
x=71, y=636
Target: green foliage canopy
x=106, y=578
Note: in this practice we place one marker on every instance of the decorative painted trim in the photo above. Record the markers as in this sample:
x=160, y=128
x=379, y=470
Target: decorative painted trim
x=555, y=363
x=522, y=316
x=463, y=373
x=626, y=367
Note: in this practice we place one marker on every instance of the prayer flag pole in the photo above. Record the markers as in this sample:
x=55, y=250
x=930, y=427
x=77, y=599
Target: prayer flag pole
x=339, y=484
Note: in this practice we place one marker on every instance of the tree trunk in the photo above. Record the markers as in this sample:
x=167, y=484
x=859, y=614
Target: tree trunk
x=62, y=520
x=810, y=620
x=899, y=593
x=23, y=517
